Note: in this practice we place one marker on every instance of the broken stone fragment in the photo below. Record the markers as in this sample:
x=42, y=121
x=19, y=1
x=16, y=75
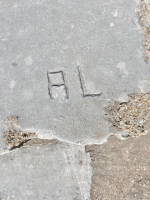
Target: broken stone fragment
x=54, y=171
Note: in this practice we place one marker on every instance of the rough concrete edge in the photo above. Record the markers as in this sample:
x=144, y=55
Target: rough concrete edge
x=143, y=14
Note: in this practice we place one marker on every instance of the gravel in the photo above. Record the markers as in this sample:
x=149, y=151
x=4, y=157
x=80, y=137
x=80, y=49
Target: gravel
x=132, y=117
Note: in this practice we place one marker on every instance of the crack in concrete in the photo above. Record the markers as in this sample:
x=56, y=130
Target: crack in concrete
x=13, y=135
x=128, y=119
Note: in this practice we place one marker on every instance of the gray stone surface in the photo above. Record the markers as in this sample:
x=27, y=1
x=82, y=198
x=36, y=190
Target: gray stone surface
x=61, y=61
x=56, y=171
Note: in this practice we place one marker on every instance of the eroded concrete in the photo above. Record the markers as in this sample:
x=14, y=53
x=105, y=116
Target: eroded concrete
x=132, y=116
x=143, y=11
x=13, y=135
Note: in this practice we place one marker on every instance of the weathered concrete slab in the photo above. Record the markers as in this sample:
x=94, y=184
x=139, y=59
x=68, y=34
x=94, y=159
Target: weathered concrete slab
x=121, y=169
x=54, y=171
x=61, y=61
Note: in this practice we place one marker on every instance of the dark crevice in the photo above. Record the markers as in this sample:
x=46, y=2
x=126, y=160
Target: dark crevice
x=20, y=145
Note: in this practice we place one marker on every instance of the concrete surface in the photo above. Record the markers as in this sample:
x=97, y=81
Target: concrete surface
x=62, y=62
x=121, y=169
x=55, y=171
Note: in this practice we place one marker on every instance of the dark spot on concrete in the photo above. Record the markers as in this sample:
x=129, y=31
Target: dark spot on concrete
x=81, y=162
x=14, y=64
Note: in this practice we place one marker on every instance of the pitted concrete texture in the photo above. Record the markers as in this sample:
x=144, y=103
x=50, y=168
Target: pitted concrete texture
x=131, y=117
x=121, y=169
x=144, y=18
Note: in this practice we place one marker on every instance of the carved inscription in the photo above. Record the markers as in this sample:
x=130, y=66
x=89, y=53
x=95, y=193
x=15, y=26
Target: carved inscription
x=56, y=79
x=84, y=94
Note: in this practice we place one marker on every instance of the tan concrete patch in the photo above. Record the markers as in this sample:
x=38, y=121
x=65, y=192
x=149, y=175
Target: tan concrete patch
x=121, y=169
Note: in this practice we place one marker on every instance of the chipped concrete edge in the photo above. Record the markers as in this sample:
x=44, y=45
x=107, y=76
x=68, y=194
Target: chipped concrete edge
x=131, y=117
x=120, y=112
x=127, y=119
x=18, y=139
